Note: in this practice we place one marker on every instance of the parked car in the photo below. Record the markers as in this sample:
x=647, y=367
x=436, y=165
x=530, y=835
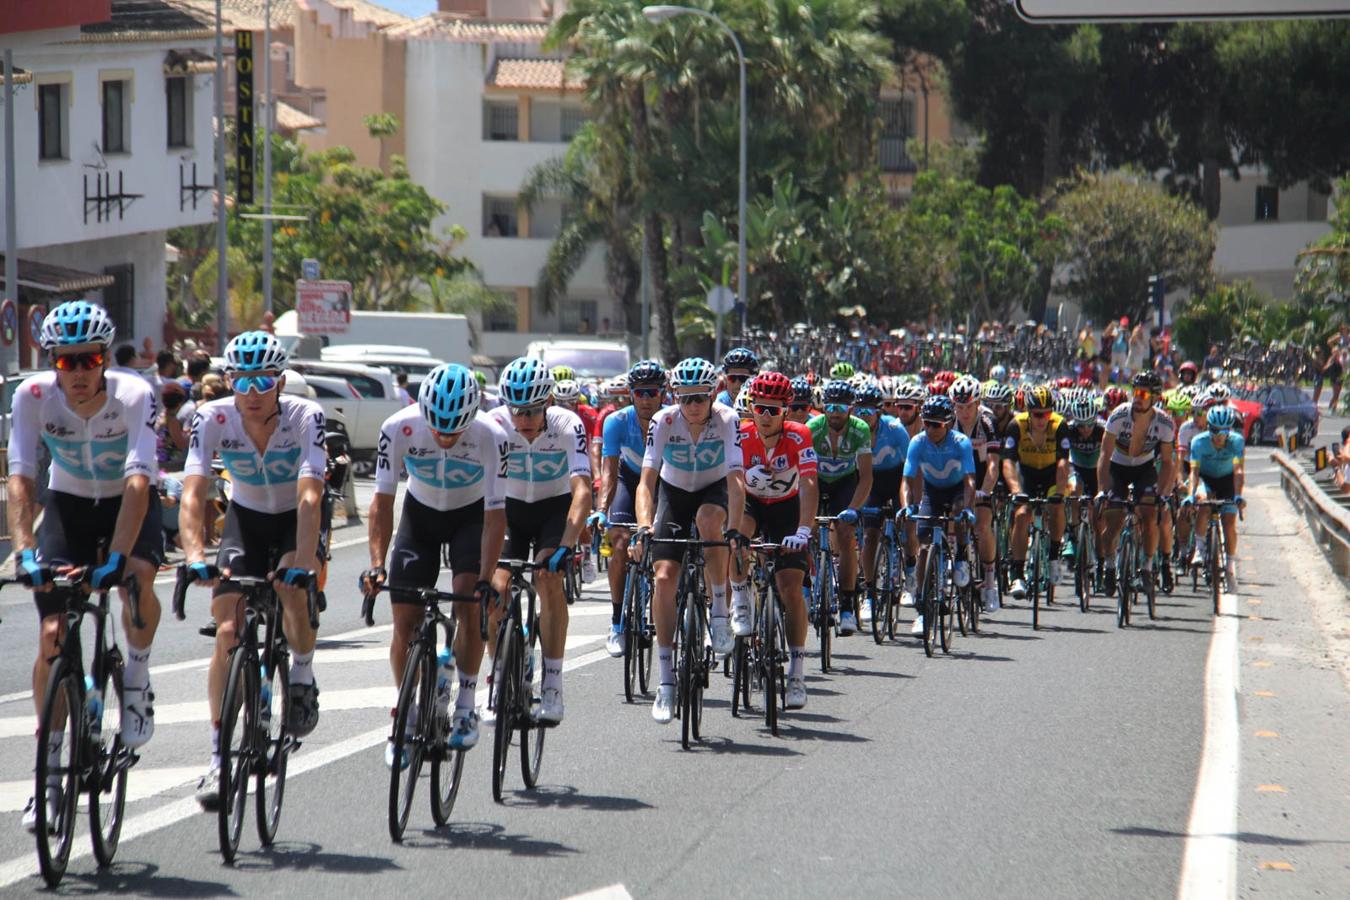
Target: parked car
x=363, y=395
x=1265, y=408
x=415, y=362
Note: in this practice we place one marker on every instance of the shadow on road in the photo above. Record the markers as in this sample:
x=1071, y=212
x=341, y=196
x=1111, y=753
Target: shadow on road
x=851, y=672
x=140, y=879
x=301, y=855
x=1244, y=837
x=725, y=745
x=790, y=731
x=957, y=654
x=565, y=796
x=485, y=836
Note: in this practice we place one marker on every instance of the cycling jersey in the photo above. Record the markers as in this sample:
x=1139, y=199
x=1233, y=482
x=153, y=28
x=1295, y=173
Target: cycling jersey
x=941, y=465
x=91, y=457
x=542, y=468
x=590, y=419
x=1188, y=432
x=294, y=451
x=623, y=438
x=983, y=435
x=837, y=458
x=771, y=476
x=441, y=479
x=1120, y=423
x=724, y=397
x=889, y=445
x=1216, y=462
x=1053, y=445
x=692, y=466
x=1085, y=451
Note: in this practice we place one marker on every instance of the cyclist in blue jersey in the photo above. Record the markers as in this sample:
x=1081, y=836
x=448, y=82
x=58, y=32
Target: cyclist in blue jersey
x=890, y=443
x=622, y=446
x=940, y=469
x=739, y=365
x=1218, y=470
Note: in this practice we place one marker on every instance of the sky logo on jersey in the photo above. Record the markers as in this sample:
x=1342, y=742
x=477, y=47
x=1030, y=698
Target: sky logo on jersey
x=455, y=473
x=277, y=466
x=540, y=465
x=696, y=459
x=106, y=458
x=951, y=469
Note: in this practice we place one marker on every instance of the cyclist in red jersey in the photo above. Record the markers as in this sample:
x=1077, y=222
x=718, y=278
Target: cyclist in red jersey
x=567, y=394
x=780, y=505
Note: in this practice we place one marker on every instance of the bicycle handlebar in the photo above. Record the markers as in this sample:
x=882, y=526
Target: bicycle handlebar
x=184, y=580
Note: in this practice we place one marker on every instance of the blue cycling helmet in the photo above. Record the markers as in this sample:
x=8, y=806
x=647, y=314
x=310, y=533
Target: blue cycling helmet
x=693, y=372
x=801, y=389
x=999, y=374
x=1221, y=417
x=255, y=351
x=836, y=392
x=448, y=398
x=647, y=372
x=868, y=394
x=526, y=382
x=76, y=322
x=939, y=408
x=740, y=358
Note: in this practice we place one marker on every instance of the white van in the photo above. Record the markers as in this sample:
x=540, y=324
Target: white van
x=589, y=359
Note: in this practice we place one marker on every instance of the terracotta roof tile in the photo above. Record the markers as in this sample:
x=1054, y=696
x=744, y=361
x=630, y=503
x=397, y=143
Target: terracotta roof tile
x=533, y=74
x=450, y=27
x=292, y=119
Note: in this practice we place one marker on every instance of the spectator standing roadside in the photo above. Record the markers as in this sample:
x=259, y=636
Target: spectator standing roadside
x=1341, y=462
x=1120, y=348
x=198, y=365
x=123, y=357
x=401, y=384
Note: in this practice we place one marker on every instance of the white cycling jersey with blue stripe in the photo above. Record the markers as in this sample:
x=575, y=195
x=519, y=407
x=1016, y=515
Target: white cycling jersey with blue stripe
x=688, y=464
x=543, y=468
x=438, y=478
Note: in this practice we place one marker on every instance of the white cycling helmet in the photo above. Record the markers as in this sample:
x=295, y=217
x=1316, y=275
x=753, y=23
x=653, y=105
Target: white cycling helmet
x=693, y=372
x=1219, y=392
x=76, y=322
x=567, y=391
x=911, y=393
x=525, y=382
x=964, y=389
x=256, y=351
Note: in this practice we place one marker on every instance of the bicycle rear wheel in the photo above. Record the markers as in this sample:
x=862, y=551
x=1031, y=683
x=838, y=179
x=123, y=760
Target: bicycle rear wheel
x=506, y=682
x=237, y=730
x=770, y=665
x=646, y=637
x=447, y=766
x=403, y=779
x=1125, y=580
x=54, y=839
x=108, y=780
x=274, y=741
x=531, y=735
x=1151, y=591
x=740, y=677
x=1034, y=579
x=1084, y=555
x=880, y=586
x=1215, y=562
x=929, y=603
x=686, y=673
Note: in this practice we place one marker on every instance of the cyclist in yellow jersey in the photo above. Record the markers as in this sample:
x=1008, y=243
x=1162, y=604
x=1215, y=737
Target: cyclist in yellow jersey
x=1036, y=462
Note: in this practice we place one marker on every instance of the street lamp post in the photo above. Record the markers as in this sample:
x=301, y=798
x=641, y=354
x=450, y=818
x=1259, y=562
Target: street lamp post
x=662, y=13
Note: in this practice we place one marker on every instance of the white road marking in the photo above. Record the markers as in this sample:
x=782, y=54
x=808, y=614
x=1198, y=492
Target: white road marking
x=1209, y=862
x=143, y=784
x=612, y=892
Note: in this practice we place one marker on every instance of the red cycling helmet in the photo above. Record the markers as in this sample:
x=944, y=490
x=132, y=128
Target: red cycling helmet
x=926, y=374
x=771, y=387
x=1113, y=397
x=1086, y=383
x=937, y=388
x=1064, y=381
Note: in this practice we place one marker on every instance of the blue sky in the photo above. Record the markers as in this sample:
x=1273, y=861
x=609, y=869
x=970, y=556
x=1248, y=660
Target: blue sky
x=412, y=8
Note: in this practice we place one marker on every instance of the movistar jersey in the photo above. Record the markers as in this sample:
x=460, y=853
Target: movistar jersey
x=543, y=468
x=889, y=444
x=837, y=455
x=941, y=465
x=90, y=457
x=623, y=438
x=442, y=479
x=688, y=464
x=263, y=482
x=1216, y=462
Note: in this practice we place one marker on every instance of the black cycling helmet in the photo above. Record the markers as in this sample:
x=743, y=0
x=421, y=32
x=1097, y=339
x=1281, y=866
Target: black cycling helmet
x=647, y=372
x=868, y=395
x=938, y=408
x=837, y=392
x=1148, y=380
x=740, y=358
x=801, y=389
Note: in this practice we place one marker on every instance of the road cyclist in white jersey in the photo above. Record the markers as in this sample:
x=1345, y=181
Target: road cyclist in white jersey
x=272, y=445
x=453, y=457
x=98, y=427
x=623, y=445
x=547, y=470
x=694, y=454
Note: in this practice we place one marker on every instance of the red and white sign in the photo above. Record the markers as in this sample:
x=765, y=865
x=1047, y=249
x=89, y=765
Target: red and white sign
x=323, y=307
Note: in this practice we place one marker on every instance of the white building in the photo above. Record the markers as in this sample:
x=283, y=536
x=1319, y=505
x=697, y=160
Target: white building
x=1262, y=228
x=484, y=105
x=113, y=147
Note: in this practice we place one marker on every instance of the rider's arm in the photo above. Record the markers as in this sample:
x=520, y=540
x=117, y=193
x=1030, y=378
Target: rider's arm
x=735, y=498
x=1011, y=466
x=22, y=502
x=1168, y=476
x=808, y=501
x=380, y=528
x=493, y=460
x=968, y=502
x=644, y=504
x=609, y=482
x=579, y=510
x=388, y=469
x=23, y=468
x=864, y=488
x=309, y=488
x=1104, y=462
x=142, y=465
x=1062, y=459
x=192, y=517
x=135, y=501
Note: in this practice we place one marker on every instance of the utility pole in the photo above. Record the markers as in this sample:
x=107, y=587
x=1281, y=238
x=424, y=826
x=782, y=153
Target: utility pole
x=222, y=277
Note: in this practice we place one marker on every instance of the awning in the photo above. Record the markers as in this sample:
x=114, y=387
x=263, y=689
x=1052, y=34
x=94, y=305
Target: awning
x=49, y=279
x=291, y=119
x=186, y=62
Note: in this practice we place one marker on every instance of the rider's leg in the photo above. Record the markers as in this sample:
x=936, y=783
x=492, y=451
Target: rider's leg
x=618, y=569
x=665, y=578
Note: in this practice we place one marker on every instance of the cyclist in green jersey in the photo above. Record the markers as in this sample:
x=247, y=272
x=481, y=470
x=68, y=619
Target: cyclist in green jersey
x=843, y=445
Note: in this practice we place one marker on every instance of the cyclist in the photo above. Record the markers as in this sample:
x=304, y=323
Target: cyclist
x=977, y=423
x=939, y=474
x=998, y=398
x=890, y=443
x=548, y=497
x=1086, y=430
x=99, y=427
x=1137, y=435
x=1036, y=462
x=909, y=398
x=842, y=371
x=694, y=453
x=799, y=410
x=739, y=365
x=1188, y=373
x=452, y=458
x=998, y=373
x=1218, y=470
x=843, y=445
x=567, y=394
x=780, y=502
x=625, y=441
x=1194, y=424
x=272, y=445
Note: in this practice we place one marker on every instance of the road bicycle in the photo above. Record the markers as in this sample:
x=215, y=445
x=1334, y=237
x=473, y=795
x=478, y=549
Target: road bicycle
x=939, y=596
x=1131, y=577
x=822, y=603
x=1039, y=582
x=421, y=716
x=255, y=735
x=1085, y=553
x=512, y=695
x=759, y=663
x=638, y=629
x=888, y=577
x=1215, y=561
x=92, y=759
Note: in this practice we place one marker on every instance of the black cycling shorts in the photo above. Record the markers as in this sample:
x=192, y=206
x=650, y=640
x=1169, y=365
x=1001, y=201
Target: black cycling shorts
x=676, y=511
x=1039, y=482
x=835, y=496
x=252, y=543
x=937, y=501
x=623, y=508
x=885, y=492
x=775, y=521
x=72, y=528
x=415, y=561
x=1087, y=480
x=534, y=527
x=1144, y=479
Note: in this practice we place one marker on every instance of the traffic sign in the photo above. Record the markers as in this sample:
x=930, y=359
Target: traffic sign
x=9, y=322
x=1052, y=11
x=323, y=307
x=309, y=269
x=36, y=314
x=721, y=299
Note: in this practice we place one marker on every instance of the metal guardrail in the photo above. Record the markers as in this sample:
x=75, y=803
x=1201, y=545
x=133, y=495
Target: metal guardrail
x=1327, y=514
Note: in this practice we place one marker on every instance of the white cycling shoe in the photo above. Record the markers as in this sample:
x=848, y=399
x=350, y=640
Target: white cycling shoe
x=991, y=599
x=614, y=642
x=550, y=707
x=1054, y=571
x=463, y=729
x=962, y=574
x=848, y=623
x=796, y=693
x=53, y=811
x=911, y=588
x=917, y=627
x=719, y=630
x=1018, y=589
x=742, y=623
x=663, y=707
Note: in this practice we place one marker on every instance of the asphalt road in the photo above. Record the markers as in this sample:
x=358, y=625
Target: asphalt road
x=1058, y=763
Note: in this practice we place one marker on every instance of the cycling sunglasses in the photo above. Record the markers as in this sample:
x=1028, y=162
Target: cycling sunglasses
x=1213, y=430
x=739, y=379
x=646, y=393
x=836, y=408
x=800, y=407
x=690, y=399
x=525, y=412
x=907, y=407
x=1143, y=394
x=762, y=409
x=88, y=361
x=867, y=410
x=934, y=423
x=243, y=384
x=1040, y=413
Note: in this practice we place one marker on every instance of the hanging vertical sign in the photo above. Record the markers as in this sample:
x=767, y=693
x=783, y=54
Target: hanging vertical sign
x=243, y=105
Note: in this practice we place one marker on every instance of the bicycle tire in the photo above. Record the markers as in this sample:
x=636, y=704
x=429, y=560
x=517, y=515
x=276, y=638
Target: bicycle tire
x=236, y=761
x=699, y=667
x=686, y=679
x=403, y=779
x=531, y=750
x=825, y=614
x=63, y=687
x=447, y=765
x=929, y=604
x=770, y=666
x=276, y=752
x=1083, y=558
x=646, y=637
x=1215, y=555
x=1151, y=591
x=880, y=585
x=630, y=635
x=109, y=775
x=740, y=676
x=1125, y=580
x=1034, y=579
x=506, y=681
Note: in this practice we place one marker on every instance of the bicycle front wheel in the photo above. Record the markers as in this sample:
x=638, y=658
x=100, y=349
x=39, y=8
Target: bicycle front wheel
x=237, y=728
x=108, y=780
x=506, y=683
x=645, y=637
x=446, y=768
x=531, y=735
x=274, y=742
x=630, y=635
x=880, y=588
x=929, y=603
x=58, y=769
x=686, y=674
x=1083, y=559
x=1214, y=561
x=408, y=747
